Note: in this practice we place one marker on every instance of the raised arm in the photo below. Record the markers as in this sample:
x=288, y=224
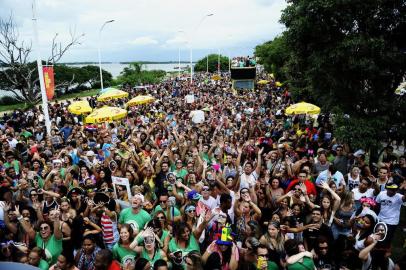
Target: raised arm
x=200, y=228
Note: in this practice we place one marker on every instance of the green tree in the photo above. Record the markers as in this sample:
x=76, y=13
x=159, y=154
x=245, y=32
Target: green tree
x=20, y=76
x=92, y=76
x=349, y=55
x=201, y=65
x=134, y=75
x=273, y=56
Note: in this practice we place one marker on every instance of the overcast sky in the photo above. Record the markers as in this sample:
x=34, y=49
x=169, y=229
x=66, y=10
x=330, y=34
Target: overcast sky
x=149, y=29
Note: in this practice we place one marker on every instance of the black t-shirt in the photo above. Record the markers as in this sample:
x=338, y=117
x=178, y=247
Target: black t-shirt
x=311, y=235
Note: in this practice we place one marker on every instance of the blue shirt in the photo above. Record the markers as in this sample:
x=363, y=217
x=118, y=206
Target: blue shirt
x=67, y=131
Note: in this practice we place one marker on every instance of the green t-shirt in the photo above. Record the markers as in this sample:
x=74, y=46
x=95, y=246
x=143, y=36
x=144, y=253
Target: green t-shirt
x=26, y=134
x=137, y=221
x=181, y=173
x=53, y=247
x=156, y=257
x=43, y=265
x=123, y=255
x=165, y=233
x=307, y=264
x=15, y=165
x=159, y=208
x=193, y=245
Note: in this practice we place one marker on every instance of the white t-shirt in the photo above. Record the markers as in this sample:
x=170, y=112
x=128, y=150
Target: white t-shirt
x=210, y=202
x=230, y=211
x=369, y=193
x=247, y=181
x=390, y=207
x=197, y=116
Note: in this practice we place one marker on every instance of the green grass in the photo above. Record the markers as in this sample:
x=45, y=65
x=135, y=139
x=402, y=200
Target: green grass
x=22, y=106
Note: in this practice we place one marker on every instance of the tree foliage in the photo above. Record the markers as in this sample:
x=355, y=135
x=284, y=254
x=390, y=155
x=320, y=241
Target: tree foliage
x=18, y=75
x=201, y=65
x=346, y=54
x=135, y=75
x=72, y=79
x=273, y=56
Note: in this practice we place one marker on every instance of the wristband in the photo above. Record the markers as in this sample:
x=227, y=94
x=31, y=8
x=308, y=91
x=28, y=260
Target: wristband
x=20, y=218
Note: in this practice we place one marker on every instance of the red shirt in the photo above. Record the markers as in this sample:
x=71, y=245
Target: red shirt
x=311, y=189
x=114, y=266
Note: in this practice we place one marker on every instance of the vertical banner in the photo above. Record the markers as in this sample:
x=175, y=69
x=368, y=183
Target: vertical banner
x=49, y=81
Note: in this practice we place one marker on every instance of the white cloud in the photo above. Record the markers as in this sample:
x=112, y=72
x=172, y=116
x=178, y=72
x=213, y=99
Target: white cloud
x=142, y=41
x=154, y=22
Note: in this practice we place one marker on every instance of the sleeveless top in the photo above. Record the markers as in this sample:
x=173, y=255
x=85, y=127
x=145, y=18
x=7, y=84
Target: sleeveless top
x=109, y=229
x=157, y=255
x=359, y=243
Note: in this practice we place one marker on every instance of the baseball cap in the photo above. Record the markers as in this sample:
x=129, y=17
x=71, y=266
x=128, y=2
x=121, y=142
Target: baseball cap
x=89, y=153
x=359, y=152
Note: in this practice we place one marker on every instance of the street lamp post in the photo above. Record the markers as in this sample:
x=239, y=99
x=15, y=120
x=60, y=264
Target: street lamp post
x=207, y=64
x=190, y=44
x=98, y=50
x=218, y=61
x=179, y=62
x=40, y=72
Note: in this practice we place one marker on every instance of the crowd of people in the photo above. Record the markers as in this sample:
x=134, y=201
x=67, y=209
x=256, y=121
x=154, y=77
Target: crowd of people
x=241, y=61
x=201, y=178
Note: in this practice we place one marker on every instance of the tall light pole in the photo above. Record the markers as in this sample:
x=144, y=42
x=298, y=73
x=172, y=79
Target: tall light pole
x=218, y=61
x=207, y=64
x=183, y=32
x=179, y=62
x=229, y=57
x=190, y=44
x=40, y=72
x=98, y=50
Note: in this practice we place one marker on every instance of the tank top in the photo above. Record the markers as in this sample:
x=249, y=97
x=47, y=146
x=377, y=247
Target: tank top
x=109, y=229
x=352, y=183
x=359, y=243
x=48, y=207
x=157, y=256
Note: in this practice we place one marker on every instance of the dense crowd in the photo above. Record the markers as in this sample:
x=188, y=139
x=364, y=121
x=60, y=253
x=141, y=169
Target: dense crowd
x=199, y=178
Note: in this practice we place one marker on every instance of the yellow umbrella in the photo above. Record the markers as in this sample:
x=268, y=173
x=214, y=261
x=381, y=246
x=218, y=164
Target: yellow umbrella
x=112, y=94
x=80, y=107
x=302, y=108
x=263, y=82
x=139, y=100
x=106, y=114
x=278, y=84
x=216, y=77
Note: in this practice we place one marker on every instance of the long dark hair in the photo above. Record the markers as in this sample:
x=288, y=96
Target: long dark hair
x=130, y=230
x=370, y=230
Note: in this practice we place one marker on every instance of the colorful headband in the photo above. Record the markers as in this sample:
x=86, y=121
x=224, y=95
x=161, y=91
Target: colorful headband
x=190, y=208
x=369, y=201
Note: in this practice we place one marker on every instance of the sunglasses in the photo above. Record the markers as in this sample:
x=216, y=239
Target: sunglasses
x=205, y=189
x=162, y=201
x=161, y=218
x=191, y=211
x=323, y=248
x=44, y=228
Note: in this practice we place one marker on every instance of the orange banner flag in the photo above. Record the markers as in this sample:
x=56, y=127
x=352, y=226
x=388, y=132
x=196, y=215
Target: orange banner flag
x=49, y=81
